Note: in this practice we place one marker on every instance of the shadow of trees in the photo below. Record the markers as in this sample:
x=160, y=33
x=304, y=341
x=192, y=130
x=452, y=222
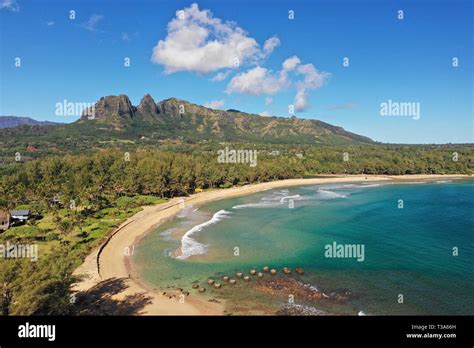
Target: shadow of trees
x=98, y=300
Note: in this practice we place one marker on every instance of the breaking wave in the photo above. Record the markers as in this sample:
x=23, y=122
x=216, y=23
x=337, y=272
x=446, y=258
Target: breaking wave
x=326, y=194
x=190, y=246
x=282, y=198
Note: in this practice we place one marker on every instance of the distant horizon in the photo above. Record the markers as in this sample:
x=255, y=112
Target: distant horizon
x=308, y=58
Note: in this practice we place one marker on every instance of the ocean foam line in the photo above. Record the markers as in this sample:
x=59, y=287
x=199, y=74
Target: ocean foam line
x=189, y=246
x=326, y=194
x=289, y=197
x=368, y=185
x=335, y=186
x=268, y=202
x=345, y=186
x=256, y=205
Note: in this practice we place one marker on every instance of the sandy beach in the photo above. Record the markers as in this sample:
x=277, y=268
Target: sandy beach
x=112, y=261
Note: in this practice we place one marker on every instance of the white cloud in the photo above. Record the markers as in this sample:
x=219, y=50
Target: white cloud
x=270, y=44
x=50, y=23
x=9, y=5
x=264, y=113
x=92, y=22
x=313, y=79
x=301, y=102
x=215, y=104
x=221, y=76
x=197, y=41
x=256, y=81
x=201, y=43
x=290, y=63
x=261, y=81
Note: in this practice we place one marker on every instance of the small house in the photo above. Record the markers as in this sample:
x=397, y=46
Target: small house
x=4, y=221
x=20, y=215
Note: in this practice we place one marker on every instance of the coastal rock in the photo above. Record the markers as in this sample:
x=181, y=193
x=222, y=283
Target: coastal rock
x=296, y=309
x=341, y=295
x=282, y=286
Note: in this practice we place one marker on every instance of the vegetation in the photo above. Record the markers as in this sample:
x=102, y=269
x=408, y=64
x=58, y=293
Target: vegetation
x=82, y=180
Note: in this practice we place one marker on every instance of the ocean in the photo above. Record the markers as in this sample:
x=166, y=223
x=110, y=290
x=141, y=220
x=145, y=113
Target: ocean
x=369, y=248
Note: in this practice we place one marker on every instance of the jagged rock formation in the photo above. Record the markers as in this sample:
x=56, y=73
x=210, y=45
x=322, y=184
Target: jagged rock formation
x=176, y=118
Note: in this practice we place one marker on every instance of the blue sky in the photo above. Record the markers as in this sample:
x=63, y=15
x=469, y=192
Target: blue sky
x=408, y=60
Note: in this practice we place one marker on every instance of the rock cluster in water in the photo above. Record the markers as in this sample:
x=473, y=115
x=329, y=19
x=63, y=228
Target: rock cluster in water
x=240, y=275
x=296, y=309
x=278, y=287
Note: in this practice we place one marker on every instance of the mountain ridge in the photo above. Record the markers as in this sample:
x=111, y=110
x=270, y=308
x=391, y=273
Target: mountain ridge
x=15, y=121
x=174, y=117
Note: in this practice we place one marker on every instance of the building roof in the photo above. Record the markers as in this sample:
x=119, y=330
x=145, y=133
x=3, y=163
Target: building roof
x=20, y=212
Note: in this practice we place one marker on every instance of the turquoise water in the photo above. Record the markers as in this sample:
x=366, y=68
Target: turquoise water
x=407, y=251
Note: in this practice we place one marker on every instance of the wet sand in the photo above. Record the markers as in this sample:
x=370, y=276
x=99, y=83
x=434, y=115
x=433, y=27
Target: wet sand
x=112, y=261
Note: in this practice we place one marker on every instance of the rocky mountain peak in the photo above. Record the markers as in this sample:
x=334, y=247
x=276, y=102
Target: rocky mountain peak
x=113, y=106
x=177, y=118
x=148, y=105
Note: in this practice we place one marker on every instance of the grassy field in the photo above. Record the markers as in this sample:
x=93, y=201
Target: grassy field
x=61, y=226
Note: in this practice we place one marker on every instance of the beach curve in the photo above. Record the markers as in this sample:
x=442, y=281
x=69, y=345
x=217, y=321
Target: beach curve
x=112, y=259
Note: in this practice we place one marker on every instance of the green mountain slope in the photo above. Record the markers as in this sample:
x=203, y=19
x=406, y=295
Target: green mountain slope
x=174, y=118
x=118, y=123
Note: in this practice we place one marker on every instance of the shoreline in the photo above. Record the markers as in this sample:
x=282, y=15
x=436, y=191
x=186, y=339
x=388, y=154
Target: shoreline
x=111, y=259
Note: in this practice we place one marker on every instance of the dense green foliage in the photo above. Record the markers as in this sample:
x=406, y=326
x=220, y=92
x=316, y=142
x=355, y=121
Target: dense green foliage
x=108, y=186
x=37, y=288
x=92, y=179
x=81, y=180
